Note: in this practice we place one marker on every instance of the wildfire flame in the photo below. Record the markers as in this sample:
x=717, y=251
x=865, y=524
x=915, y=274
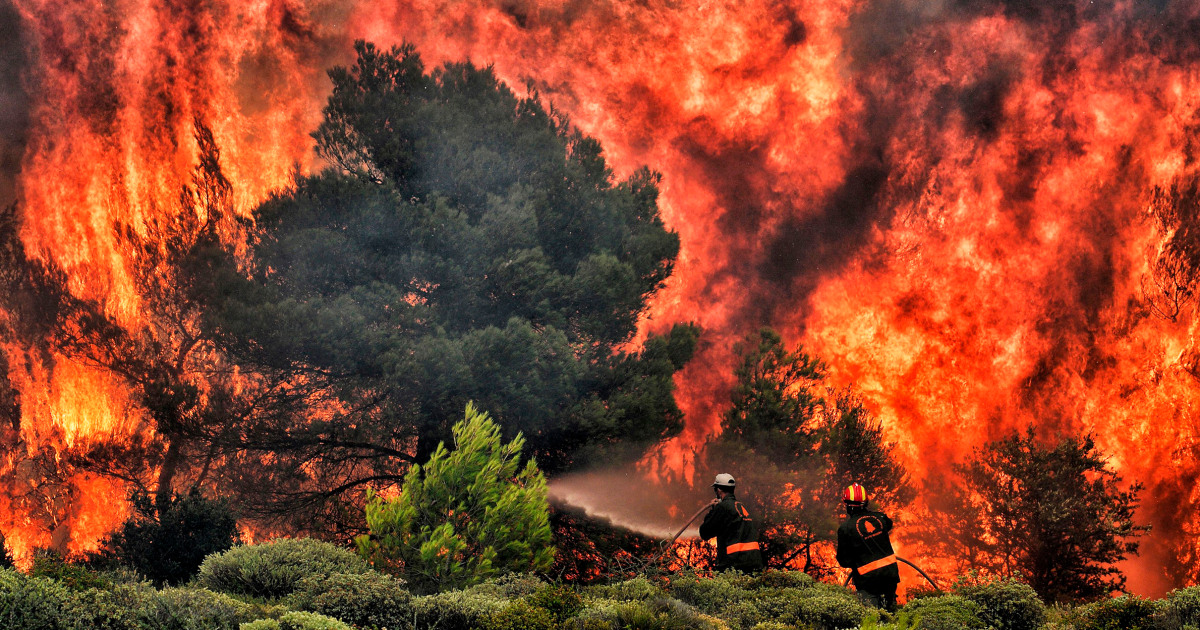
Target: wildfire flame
x=946, y=201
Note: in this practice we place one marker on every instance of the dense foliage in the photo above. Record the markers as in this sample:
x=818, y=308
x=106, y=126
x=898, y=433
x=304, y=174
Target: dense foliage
x=1053, y=515
x=465, y=244
x=277, y=568
x=322, y=598
x=168, y=546
x=465, y=515
x=793, y=443
x=468, y=245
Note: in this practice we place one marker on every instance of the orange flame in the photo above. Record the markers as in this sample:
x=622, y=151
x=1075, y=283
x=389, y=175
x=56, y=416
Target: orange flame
x=946, y=201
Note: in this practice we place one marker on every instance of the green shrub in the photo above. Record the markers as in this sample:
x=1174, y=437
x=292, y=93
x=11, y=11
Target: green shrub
x=589, y=623
x=826, y=611
x=749, y=613
x=520, y=615
x=710, y=595
x=169, y=546
x=194, y=609
x=1179, y=609
x=946, y=612
x=1127, y=612
x=260, y=624
x=114, y=609
x=1005, y=604
x=369, y=599
x=309, y=621
x=638, y=588
x=600, y=614
x=296, y=621
x=32, y=603
x=773, y=625
x=453, y=610
x=663, y=613
x=783, y=579
x=561, y=601
x=51, y=565
x=509, y=586
x=275, y=569
x=642, y=616
x=784, y=597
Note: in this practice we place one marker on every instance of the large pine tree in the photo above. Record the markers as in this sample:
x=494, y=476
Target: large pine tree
x=465, y=244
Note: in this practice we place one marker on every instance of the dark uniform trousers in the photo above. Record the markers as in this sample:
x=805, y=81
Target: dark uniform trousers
x=737, y=536
x=865, y=547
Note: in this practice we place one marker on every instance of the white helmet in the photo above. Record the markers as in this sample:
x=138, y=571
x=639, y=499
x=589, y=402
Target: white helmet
x=724, y=481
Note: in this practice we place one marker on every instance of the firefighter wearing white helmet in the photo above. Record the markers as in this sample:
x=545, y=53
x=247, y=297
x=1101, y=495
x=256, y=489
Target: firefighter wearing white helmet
x=730, y=523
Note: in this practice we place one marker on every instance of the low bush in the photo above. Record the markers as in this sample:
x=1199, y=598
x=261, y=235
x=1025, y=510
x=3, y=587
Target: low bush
x=260, y=624
x=455, y=609
x=946, y=612
x=51, y=565
x=637, y=589
x=32, y=602
x=1178, y=610
x=520, y=615
x=296, y=621
x=664, y=613
x=168, y=546
x=1004, y=604
x=1127, y=612
x=309, y=621
x=826, y=611
x=194, y=609
x=787, y=597
x=562, y=602
x=370, y=599
x=783, y=579
x=117, y=608
x=749, y=613
x=710, y=595
x=509, y=586
x=275, y=569
x=599, y=614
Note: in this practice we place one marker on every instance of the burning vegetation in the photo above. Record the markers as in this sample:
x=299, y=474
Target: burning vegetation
x=226, y=274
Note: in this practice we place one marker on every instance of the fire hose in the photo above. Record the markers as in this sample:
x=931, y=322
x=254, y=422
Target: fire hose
x=709, y=506
x=680, y=532
x=905, y=561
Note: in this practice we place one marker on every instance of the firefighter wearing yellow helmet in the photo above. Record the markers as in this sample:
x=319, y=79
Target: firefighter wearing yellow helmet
x=865, y=547
x=730, y=523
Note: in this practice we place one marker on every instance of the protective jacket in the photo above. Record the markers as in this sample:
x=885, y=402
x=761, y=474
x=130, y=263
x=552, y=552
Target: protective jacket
x=865, y=547
x=736, y=534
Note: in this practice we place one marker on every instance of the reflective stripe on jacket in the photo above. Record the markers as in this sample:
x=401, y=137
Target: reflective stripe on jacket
x=865, y=546
x=737, y=536
x=878, y=564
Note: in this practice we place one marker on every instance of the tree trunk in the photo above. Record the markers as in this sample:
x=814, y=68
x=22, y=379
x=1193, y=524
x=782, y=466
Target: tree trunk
x=166, y=475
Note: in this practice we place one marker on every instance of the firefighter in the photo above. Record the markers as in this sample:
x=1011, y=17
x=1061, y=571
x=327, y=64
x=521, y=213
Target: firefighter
x=865, y=547
x=729, y=522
